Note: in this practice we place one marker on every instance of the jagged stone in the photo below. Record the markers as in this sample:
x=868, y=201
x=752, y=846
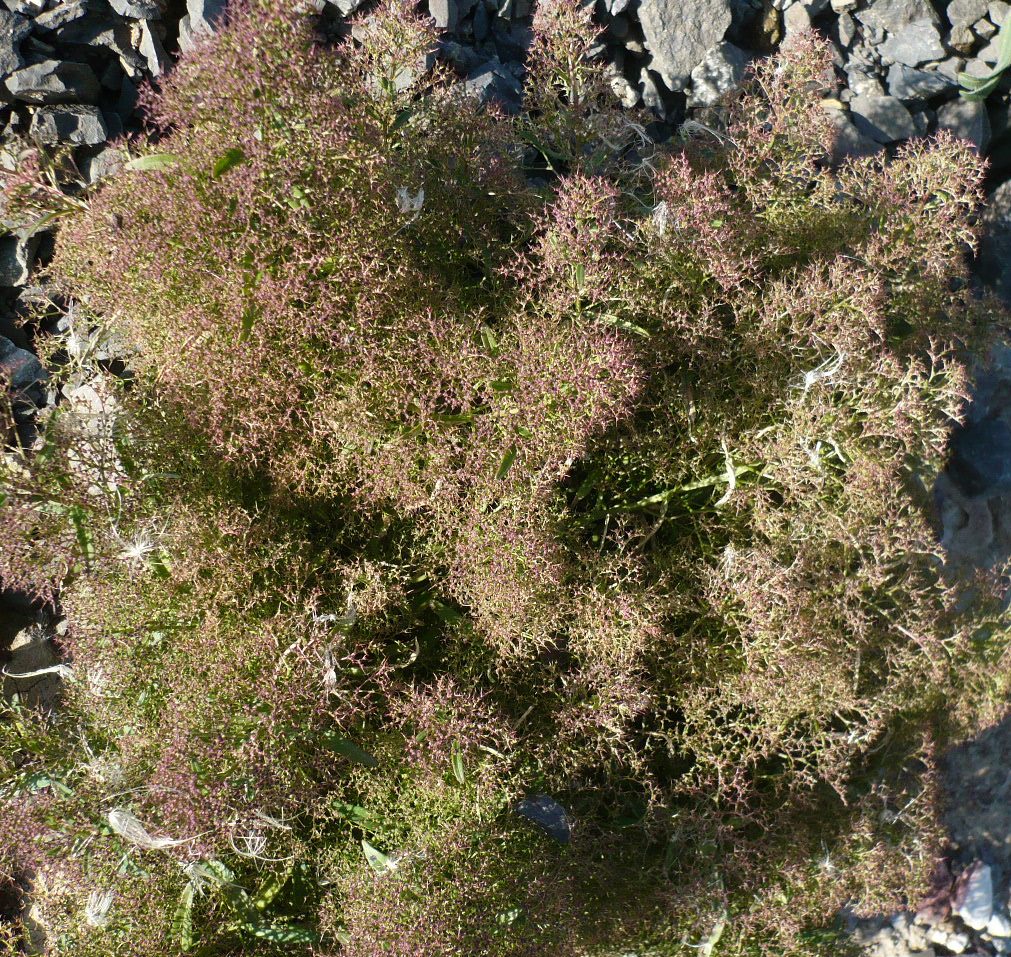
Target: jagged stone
x=721, y=71
x=13, y=30
x=54, y=81
x=908, y=83
x=74, y=125
x=884, y=119
x=678, y=35
x=917, y=43
x=968, y=120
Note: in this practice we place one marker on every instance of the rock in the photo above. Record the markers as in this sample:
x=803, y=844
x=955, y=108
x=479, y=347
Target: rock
x=25, y=8
x=346, y=7
x=967, y=12
x=796, y=19
x=994, y=263
x=491, y=82
x=962, y=38
x=914, y=44
x=139, y=9
x=908, y=83
x=20, y=370
x=972, y=898
x=990, y=54
x=60, y=15
x=17, y=255
x=32, y=651
x=882, y=118
x=626, y=94
x=678, y=35
x=444, y=13
x=721, y=71
x=999, y=9
x=980, y=461
x=893, y=15
x=107, y=161
x=149, y=44
x=999, y=925
x=968, y=120
x=984, y=29
x=202, y=15
x=75, y=125
x=842, y=6
x=548, y=815
x=13, y=29
x=861, y=83
x=54, y=81
x=849, y=141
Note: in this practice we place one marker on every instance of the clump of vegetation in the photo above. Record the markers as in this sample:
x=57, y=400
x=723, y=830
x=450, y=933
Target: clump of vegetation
x=439, y=485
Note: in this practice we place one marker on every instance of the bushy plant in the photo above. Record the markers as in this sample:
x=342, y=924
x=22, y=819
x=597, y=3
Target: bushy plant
x=438, y=485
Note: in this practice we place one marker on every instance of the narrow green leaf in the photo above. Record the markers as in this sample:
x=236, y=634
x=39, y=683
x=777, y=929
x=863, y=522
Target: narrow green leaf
x=270, y=888
x=377, y=860
x=349, y=750
x=456, y=760
x=152, y=161
x=182, y=923
x=85, y=541
x=281, y=933
x=249, y=316
x=228, y=160
x=507, y=463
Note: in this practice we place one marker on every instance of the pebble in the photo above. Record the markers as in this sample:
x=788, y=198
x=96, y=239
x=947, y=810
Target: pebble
x=972, y=899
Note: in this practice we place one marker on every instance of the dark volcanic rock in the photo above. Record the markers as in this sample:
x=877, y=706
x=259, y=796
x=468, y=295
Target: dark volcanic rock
x=981, y=457
x=13, y=29
x=54, y=81
x=75, y=125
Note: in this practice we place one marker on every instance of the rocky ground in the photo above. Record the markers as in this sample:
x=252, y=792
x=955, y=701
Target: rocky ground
x=70, y=71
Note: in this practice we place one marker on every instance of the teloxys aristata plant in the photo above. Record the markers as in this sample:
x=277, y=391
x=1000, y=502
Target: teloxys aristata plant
x=440, y=488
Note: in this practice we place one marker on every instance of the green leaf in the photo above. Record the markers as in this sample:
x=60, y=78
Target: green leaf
x=506, y=464
x=456, y=760
x=489, y=340
x=377, y=860
x=249, y=316
x=270, y=888
x=182, y=923
x=579, y=274
x=228, y=160
x=85, y=541
x=349, y=750
x=977, y=88
x=152, y=161
x=281, y=933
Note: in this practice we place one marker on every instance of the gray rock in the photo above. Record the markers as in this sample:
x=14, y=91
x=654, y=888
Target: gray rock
x=60, y=15
x=984, y=29
x=139, y=9
x=75, y=125
x=721, y=71
x=967, y=120
x=862, y=83
x=967, y=12
x=678, y=35
x=492, y=83
x=17, y=256
x=981, y=461
x=893, y=15
x=54, y=81
x=13, y=29
x=31, y=650
x=105, y=162
x=202, y=15
x=847, y=29
x=445, y=13
x=914, y=44
x=962, y=38
x=999, y=9
x=651, y=92
x=990, y=54
x=849, y=141
x=25, y=8
x=884, y=119
x=908, y=83
x=20, y=369
x=972, y=899
x=149, y=45
x=548, y=815
x=796, y=19
x=994, y=263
